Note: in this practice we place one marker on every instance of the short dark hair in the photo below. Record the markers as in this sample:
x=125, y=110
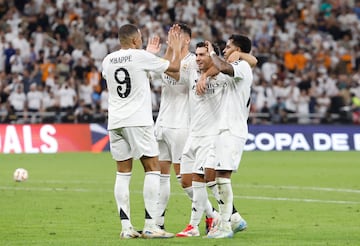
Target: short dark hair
x=126, y=31
x=185, y=28
x=215, y=46
x=241, y=41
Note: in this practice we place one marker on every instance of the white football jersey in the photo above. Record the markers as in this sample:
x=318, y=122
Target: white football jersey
x=174, y=104
x=236, y=104
x=206, y=109
x=126, y=74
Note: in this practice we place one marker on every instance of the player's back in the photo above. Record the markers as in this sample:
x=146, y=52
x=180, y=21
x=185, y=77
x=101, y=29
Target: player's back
x=237, y=100
x=126, y=74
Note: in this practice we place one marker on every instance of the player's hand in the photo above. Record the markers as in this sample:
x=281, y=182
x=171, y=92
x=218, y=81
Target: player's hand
x=209, y=46
x=234, y=56
x=174, y=40
x=201, y=85
x=153, y=45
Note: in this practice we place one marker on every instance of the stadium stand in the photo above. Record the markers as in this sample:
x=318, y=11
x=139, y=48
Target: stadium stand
x=308, y=52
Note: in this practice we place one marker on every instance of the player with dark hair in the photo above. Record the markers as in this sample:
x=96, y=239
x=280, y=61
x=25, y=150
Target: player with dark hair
x=233, y=129
x=131, y=125
x=172, y=123
x=172, y=126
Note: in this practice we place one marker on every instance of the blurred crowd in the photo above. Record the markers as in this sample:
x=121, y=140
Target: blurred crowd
x=308, y=52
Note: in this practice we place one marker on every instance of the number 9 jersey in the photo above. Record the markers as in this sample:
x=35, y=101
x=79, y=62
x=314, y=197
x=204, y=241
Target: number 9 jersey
x=126, y=75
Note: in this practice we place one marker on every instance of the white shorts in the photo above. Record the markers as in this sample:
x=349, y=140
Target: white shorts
x=199, y=153
x=229, y=149
x=171, y=143
x=133, y=142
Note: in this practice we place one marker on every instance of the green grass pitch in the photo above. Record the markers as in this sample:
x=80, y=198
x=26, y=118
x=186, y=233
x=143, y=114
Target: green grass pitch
x=287, y=198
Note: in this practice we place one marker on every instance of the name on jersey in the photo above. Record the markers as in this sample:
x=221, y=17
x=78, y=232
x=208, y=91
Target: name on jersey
x=121, y=59
x=170, y=80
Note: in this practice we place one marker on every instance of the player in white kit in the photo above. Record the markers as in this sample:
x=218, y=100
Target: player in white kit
x=172, y=124
x=130, y=123
x=229, y=144
x=199, y=147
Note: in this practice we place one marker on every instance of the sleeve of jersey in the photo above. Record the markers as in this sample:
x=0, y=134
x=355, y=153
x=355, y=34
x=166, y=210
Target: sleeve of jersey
x=240, y=69
x=154, y=63
x=104, y=63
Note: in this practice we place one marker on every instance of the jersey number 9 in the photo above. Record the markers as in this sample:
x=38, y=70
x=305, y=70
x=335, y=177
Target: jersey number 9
x=122, y=77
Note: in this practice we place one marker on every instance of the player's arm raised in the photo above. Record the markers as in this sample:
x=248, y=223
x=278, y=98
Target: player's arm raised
x=224, y=66
x=174, y=43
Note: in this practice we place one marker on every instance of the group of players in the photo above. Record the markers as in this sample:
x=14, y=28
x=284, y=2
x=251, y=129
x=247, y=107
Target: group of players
x=201, y=128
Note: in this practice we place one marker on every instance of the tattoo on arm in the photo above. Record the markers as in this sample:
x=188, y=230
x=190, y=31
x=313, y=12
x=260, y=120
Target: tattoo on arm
x=223, y=66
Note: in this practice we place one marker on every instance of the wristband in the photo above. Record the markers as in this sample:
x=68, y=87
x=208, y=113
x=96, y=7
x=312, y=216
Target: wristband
x=212, y=53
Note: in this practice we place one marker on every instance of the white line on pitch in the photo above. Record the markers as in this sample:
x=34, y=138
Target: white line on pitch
x=289, y=187
x=182, y=194
x=285, y=187
x=295, y=199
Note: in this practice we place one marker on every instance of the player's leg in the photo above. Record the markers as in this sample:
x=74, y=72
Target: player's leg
x=176, y=141
x=213, y=218
x=151, y=188
x=229, y=151
x=171, y=143
x=197, y=207
x=145, y=148
x=176, y=167
x=196, y=153
x=165, y=167
x=121, y=153
x=122, y=197
x=165, y=164
x=186, y=166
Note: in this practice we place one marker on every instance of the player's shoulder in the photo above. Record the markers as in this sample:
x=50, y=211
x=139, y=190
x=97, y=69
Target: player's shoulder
x=189, y=61
x=190, y=57
x=240, y=63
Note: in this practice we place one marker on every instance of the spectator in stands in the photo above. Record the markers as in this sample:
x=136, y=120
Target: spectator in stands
x=104, y=96
x=50, y=104
x=269, y=68
x=34, y=103
x=278, y=111
x=22, y=44
x=98, y=50
x=292, y=99
x=328, y=33
x=3, y=45
x=322, y=106
x=93, y=78
x=83, y=113
x=302, y=110
x=67, y=98
x=16, y=62
x=62, y=68
x=264, y=95
x=17, y=100
x=85, y=92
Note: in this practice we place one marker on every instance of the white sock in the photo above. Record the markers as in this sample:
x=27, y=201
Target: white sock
x=151, y=196
x=189, y=192
x=200, y=199
x=164, y=197
x=209, y=210
x=214, y=189
x=122, y=198
x=226, y=196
